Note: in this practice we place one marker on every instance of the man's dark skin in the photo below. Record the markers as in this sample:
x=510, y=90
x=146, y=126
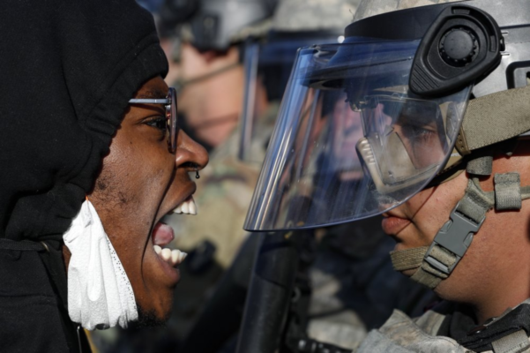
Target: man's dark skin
x=139, y=183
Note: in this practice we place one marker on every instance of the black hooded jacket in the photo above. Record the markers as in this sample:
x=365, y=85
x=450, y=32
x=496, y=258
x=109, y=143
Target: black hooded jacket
x=67, y=71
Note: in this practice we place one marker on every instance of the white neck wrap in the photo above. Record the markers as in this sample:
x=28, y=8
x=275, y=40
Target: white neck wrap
x=99, y=292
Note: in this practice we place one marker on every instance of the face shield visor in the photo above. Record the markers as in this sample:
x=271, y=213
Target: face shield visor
x=268, y=66
x=351, y=140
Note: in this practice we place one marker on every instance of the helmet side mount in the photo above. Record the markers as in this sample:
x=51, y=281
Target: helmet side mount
x=462, y=45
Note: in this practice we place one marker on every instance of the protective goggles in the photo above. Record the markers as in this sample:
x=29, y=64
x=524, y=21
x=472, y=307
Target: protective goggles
x=352, y=141
x=170, y=103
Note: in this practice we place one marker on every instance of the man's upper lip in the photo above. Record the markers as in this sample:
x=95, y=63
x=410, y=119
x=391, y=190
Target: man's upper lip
x=190, y=190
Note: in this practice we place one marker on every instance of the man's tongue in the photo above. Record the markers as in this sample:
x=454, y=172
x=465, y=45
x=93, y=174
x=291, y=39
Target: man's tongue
x=162, y=234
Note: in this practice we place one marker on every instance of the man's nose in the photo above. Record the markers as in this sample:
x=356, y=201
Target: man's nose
x=189, y=153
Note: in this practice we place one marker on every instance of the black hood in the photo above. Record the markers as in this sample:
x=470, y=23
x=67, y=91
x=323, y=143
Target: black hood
x=68, y=69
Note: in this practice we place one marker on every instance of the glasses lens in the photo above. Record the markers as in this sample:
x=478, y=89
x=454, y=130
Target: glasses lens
x=172, y=120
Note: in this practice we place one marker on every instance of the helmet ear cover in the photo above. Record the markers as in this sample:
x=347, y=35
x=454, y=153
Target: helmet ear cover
x=462, y=45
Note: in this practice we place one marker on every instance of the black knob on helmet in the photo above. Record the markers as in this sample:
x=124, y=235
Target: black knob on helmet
x=458, y=46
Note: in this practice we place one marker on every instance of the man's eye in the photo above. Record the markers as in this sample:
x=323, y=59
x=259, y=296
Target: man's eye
x=158, y=122
x=418, y=134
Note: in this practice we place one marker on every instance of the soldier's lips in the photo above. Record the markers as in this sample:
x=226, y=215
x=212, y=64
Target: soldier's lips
x=392, y=225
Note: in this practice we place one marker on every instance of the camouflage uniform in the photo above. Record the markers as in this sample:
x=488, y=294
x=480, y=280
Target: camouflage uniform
x=429, y=333
x=401, y=334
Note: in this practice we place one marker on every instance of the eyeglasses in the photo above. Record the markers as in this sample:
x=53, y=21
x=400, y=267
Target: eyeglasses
x=170, y=103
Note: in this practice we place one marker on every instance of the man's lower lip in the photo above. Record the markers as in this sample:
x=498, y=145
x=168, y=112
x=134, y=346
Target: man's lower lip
x=393, y=225
x=171, y=272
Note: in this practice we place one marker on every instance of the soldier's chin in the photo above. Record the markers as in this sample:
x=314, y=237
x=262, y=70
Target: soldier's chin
x=149, y=318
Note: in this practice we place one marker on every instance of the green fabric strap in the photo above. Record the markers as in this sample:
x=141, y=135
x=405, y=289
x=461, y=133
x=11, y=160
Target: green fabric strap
x=507, y=191
x=408, y=259
x=474, y=206
x=413, y=259
x=480, y=166
x=494, y=118
x=475, y=202
x=428, y=275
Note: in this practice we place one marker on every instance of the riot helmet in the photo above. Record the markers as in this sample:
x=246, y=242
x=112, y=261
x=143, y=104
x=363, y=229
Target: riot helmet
x=216, y=21
x=409, y=98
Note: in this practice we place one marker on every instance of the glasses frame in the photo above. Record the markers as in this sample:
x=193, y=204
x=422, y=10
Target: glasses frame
x=170, y=103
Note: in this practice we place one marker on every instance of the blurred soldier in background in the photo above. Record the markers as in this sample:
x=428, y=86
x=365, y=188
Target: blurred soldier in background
x=170, y=17
x=211, y=80
x=211, y=74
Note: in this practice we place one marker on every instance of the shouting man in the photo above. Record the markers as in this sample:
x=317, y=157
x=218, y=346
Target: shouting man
x=92, y=160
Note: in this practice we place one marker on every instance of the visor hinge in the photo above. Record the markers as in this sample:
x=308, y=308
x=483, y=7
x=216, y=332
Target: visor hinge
x=455, y=236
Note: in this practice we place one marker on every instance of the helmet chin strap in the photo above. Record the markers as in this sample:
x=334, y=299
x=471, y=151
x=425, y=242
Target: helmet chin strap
x=437, y=261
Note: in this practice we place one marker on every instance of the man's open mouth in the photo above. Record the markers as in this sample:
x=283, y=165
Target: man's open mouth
x=163, y=235
x=186, y=207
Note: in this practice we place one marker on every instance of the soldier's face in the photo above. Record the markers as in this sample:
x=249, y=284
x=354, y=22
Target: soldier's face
x=140, y=182
x=497, y=248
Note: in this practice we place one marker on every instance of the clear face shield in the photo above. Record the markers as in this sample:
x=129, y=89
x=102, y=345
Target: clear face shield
x=268, y=66
x=351, y=140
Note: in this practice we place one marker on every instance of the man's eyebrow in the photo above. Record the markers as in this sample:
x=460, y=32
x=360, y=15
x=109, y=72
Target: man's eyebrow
x=152, y=94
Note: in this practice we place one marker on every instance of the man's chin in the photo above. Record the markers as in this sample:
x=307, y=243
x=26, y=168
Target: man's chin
x=149, y=318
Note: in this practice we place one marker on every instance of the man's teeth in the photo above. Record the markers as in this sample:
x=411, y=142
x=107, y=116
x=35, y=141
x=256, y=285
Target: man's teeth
x=173, y=257
x=187, y=207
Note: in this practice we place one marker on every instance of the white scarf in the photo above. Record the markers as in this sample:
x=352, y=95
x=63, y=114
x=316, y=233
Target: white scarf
x=99, y=292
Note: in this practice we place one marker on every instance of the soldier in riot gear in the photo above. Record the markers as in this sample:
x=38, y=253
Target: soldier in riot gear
x=441, y=93
x=350, y=285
